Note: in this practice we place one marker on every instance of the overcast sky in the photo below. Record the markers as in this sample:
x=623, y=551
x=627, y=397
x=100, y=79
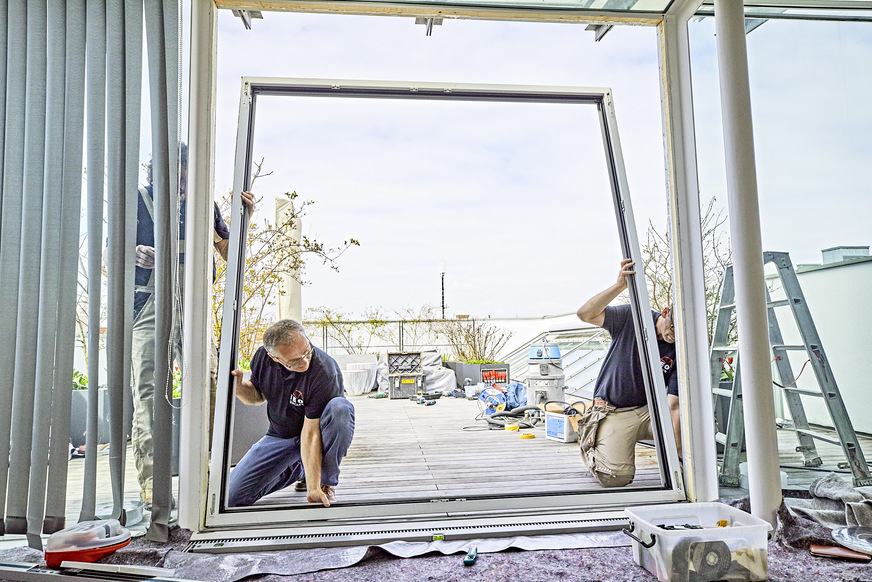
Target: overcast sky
x=514, y=198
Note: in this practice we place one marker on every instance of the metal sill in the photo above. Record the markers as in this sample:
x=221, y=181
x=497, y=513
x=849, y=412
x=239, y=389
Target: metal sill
x=355, y=534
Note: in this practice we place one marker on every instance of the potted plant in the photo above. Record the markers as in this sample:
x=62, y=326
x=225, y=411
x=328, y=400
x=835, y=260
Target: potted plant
x=78, y=409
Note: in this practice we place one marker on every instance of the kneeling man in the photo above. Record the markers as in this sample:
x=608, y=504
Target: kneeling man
x=620, y=416
x=311, y=424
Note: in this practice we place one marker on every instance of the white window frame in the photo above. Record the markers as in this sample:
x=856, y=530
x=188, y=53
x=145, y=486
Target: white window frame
x=421, y=519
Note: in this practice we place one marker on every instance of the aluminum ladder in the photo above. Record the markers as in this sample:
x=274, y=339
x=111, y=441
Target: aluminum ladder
x=734, y=436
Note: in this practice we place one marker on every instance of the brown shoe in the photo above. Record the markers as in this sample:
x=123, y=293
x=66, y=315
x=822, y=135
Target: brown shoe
x=300, y=485
x=329, y=491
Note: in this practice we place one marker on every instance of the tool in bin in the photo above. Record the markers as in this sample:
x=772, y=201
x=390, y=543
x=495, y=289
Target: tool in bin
x=697, y=560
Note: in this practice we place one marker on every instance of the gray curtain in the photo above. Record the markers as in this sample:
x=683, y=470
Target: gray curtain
x=55, y=50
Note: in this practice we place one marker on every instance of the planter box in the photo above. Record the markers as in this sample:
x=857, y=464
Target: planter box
x=463, y=372
x=250, y=423
x=79, y=417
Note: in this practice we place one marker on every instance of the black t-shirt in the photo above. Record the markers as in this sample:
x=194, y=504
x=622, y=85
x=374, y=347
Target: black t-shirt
x=620, y=379
x=292, y=395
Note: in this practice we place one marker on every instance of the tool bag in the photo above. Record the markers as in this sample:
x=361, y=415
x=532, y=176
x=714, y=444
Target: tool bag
x=588, y=425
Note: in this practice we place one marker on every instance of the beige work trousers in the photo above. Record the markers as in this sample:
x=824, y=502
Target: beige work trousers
x=612, y=460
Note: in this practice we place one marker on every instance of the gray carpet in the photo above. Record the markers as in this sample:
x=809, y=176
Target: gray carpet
x=789, y=561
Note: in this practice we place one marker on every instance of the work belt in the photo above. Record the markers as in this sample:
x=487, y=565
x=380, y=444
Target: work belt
x=604, y=403
x=608, y=405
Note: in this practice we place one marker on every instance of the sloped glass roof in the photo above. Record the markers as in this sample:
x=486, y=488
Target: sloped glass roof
x=592, y=5
x=591, y=10
x=848, y=10
x=615, y=8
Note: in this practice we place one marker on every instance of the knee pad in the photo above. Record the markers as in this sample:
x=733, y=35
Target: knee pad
x=608, y=480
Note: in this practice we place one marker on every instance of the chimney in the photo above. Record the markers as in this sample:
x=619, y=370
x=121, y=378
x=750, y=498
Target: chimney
x=839, y=254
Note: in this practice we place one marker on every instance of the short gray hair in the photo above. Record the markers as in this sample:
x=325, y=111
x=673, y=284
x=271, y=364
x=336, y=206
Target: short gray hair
x=285, y=332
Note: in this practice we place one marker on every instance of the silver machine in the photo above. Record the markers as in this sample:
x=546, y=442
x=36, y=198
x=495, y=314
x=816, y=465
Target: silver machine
x=545, y=378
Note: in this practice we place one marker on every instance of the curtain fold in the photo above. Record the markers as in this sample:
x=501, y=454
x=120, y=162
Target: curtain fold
x=162, y=33
x=123, y=67
x=95, y=83
x=48, y=283
x=3, y=50
x=23, y=396
x=74, y=105
x=10, y=221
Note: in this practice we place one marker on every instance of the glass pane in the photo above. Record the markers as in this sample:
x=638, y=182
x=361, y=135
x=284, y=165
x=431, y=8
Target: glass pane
x=514, y=198
x=412, y=180
x=811, y=129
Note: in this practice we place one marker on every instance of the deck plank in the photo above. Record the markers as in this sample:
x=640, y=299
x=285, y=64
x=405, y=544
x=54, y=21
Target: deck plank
x=403, y=450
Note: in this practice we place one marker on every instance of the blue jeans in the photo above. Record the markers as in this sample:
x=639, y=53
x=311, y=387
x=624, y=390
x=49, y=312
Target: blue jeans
x=274, y=463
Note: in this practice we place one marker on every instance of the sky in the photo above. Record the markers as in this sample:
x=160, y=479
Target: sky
x=513, y=198
x=811, y=85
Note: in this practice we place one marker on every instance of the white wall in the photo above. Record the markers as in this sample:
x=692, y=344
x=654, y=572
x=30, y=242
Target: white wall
x=839, y=299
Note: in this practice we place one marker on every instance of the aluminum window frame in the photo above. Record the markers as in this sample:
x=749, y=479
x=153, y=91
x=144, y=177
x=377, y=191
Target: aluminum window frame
x=547, y=510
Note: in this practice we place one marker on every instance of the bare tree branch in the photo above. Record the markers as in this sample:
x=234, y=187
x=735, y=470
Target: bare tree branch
x=657, y=255
x=271, y=255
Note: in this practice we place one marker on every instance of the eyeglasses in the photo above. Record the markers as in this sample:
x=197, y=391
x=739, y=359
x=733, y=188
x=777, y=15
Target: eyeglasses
x=290, y=364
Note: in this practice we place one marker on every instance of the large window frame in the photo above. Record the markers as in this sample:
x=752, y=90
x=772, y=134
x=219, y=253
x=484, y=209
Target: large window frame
x=360, y=522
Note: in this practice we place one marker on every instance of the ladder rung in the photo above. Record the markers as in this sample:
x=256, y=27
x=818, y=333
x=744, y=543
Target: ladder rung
x=820, y=436
x=803, y=391
x=721, y=438
x=732, y=348
x=722, y=392
x=783, y=347
x=779, y=303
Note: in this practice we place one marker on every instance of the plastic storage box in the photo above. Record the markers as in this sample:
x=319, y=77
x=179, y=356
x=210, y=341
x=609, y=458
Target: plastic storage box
x=403, y=386
x=405, y=374
x=405, y=363
x=683, y=542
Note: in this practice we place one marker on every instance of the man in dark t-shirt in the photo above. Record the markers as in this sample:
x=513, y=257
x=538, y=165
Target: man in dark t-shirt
x=311, y=423
x=620, y=404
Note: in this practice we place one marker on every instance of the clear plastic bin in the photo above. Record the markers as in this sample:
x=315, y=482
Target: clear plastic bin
x=664, y=545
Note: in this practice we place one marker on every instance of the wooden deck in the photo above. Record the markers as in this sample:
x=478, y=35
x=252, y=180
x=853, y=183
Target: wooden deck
x=799, y=477
x=404, y=450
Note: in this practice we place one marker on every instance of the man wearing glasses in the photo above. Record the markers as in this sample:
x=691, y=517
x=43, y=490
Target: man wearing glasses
x=311, y=424
x=620, y=417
